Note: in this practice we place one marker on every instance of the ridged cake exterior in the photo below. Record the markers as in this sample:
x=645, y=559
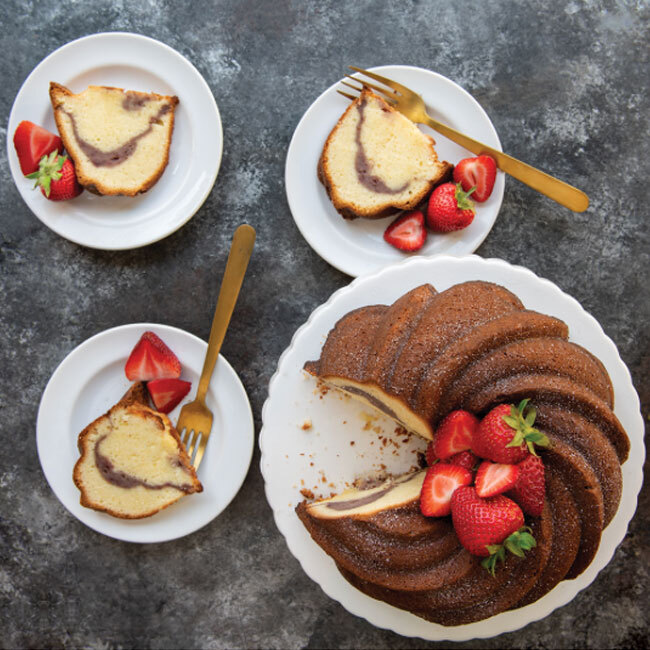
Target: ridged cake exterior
x=133, y=463
x=376, y=162
x=118, y=139
x=473, y=346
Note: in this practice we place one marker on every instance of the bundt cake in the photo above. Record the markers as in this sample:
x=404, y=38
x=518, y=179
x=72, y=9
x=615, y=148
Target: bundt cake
x=132, y=462
x=376, y=162
x=473, y=346
x=118, y=139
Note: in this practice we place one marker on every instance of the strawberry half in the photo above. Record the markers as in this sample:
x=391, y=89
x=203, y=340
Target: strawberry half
x=506, y=434
x=407, y=232
x=530, y=489
x=56, y=178
x=479, y=173
x=487, y=527
x=495, y=478
x=167, y=393
x=32, y=142
x=454, y=434
x=151, y=359
x=438, y=487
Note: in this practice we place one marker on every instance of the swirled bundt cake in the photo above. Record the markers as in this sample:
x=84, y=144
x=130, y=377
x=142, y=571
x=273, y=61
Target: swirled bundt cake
x=132, y=462
x=376, y=162
x=474, y=347
x=118, y=139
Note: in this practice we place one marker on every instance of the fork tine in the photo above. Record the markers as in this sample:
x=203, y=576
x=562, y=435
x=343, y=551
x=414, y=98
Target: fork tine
x=192, y=446
x=199, y=452
x=387, y=82
x=384, y=91
x=352, y=97
x=388, y=100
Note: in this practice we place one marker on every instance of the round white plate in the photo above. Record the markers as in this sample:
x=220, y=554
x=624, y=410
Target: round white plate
x=357, y=247
x=133, y=62
x=91, y=379
x=291, y=455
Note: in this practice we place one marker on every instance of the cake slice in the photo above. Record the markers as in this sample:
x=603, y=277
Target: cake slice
x=118, y=139
x=377, y=162
x=132, y=462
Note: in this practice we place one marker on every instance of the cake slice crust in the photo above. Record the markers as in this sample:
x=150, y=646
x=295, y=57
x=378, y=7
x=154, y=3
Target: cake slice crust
x=133, y=463
x=118, y=139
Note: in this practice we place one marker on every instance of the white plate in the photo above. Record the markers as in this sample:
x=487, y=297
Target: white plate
x=91, y=379
x=357, y=247
x=288, y=450
x=133, y=62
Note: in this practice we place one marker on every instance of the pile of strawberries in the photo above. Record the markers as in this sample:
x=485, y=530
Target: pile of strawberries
x=151, y=360
x=41, y=158
x=486, y=474
x=449, y=207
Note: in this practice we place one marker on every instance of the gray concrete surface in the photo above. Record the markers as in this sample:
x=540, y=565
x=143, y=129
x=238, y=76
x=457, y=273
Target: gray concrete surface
x=565, y=84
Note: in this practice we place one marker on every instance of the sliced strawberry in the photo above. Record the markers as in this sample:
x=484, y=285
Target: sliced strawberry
x=455, y=433
x=479, y=172
x=151, y=359
x=167, y=393
x=495, y=478
x=464, y=459
x=439, y=485
x=32, y=142
x=407, y=232
x=530, y=489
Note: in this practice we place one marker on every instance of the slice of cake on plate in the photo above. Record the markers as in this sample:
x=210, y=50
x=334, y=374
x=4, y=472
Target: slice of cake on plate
x=118, y=139
x=376, y=162
x=133, y=463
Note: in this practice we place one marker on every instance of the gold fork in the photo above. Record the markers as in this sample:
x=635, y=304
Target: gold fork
x=195, y=421
x=412, y=106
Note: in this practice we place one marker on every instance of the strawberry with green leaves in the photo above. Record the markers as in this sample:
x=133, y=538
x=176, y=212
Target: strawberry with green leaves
x=506, y=434
x=529, y=490
x=489, y=527
x=56, y=178
x=450, y=208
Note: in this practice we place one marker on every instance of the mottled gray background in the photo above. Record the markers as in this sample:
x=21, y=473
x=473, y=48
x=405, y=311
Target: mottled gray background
x=565, y=84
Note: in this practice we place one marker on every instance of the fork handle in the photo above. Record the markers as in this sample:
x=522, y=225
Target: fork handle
x=240, y=253
x=565, y=194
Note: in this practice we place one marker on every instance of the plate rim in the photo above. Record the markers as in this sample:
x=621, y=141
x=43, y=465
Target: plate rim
x=246, y=415
x=312, y=241
x=13, y=121
x=479, y=629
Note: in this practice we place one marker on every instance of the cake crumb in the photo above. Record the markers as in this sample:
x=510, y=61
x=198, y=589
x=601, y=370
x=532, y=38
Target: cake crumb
x=308, y=494
x=351, y=443
x=306, y=425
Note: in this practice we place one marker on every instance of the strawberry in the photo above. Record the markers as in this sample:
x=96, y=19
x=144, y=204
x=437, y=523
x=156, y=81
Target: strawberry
x=449, y=208
x=495, y=478
x=167, y=393
x=438, y=487
x=464, y=459
x=530, y=489
x=32, y=142
x=455, y=433
x=56, y=178
x=151, y=359
x=478, y=173
x=407, y=232
x=487, y=527
x=506, y=434
x=430, y=455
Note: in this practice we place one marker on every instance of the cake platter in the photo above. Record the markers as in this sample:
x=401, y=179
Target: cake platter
x=132, y=62
x=318, y=441
x=91, y=379
x=357, y=247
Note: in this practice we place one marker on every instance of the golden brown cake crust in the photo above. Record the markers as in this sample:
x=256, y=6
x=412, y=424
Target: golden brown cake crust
x=135, y=398
x=58, y=93
x=386, y=208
